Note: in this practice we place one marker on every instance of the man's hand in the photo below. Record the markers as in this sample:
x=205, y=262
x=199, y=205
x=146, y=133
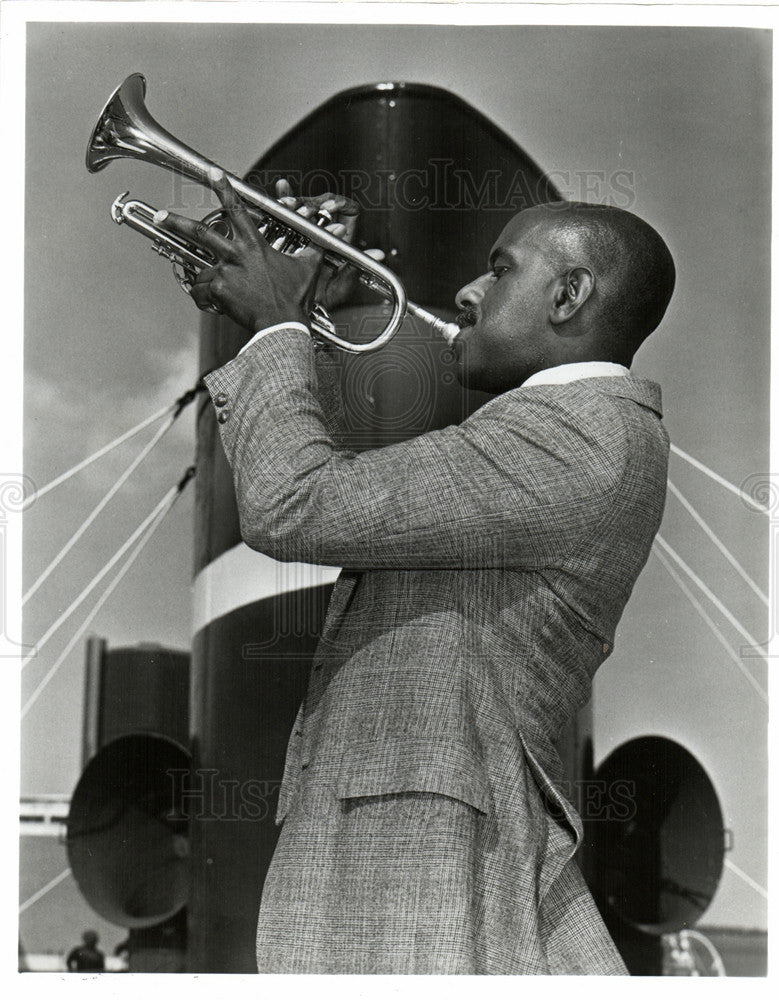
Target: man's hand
x=251, y=282
x=335, y=284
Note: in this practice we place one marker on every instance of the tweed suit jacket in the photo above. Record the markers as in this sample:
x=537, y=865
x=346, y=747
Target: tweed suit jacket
x=486, y=566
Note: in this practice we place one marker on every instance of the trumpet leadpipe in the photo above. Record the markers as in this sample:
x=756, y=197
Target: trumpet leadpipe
x=447, y=330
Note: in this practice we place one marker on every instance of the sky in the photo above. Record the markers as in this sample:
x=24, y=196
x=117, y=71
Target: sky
x=108, y=338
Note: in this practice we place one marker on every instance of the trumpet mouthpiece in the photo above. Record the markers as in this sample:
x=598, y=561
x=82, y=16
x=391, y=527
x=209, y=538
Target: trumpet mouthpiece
x=449, y=331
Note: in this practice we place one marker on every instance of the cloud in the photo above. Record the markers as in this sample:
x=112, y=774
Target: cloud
x=63, y=427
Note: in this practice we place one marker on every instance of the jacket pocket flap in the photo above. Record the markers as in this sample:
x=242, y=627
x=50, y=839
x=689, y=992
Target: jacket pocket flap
x=556, y=803
x=392, y=766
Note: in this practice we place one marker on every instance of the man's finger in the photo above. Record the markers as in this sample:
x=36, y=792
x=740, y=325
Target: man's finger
x=241, y=221
x=196, y=232
x=201, y=290
x=346, y=211
x=345, y=206
x=283, y=189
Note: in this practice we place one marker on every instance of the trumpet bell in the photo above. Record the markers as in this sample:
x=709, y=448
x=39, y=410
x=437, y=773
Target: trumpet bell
x=125, y=128
x=118, y=125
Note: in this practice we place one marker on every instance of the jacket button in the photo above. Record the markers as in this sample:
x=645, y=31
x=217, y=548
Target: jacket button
x=220, y=399
x=303, y=767
x=223, y=416
x=298, y=732
x=317, y=666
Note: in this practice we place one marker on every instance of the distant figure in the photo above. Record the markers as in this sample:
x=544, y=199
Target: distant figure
x=87, y=957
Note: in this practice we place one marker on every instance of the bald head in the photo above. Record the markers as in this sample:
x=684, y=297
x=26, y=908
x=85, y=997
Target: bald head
x=567, y=282
x=632, y=266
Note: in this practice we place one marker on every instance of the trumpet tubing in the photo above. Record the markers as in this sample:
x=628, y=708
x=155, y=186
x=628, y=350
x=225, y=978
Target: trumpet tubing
x=188, y=258
x=140, y=217
x=126, y=129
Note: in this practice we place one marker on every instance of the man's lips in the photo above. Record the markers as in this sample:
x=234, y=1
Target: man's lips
x=467, y=317
x=464, y=319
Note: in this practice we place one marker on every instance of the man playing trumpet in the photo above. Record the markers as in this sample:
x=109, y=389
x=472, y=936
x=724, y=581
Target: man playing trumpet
x=486, y=568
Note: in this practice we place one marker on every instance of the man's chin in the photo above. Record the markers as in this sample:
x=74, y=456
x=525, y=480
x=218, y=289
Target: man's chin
x=464, y=372
x=467, y=378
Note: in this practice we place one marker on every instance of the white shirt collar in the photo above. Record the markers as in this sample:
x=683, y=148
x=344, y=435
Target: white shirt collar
x=561, y=374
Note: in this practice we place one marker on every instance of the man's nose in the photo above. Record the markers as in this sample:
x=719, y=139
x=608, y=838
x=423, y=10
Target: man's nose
x=472, y=293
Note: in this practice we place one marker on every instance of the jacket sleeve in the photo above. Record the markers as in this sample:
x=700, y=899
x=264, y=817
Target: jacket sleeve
x=518, y=484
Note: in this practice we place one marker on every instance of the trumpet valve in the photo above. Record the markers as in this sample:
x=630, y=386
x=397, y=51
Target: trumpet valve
x=163, y=250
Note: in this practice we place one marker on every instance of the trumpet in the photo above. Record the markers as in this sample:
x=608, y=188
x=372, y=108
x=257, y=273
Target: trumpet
x=126, y=129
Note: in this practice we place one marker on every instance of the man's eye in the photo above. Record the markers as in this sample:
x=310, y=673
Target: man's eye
x=498, y=271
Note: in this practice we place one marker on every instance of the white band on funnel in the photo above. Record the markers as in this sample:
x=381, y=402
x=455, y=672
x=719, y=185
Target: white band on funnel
x=242, y=576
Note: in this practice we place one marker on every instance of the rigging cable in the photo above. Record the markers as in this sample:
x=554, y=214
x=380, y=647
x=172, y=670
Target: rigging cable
x=175, y=408
x=747, y=879
x=710, y=622
x=719, y=544
x=167, y=499
x=159, y=513
x=721, y=480
x=101, y=505
x=42, y=892
x=659, y=540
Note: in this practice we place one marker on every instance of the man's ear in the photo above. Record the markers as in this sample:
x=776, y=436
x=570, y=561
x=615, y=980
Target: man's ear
x=569, y=294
